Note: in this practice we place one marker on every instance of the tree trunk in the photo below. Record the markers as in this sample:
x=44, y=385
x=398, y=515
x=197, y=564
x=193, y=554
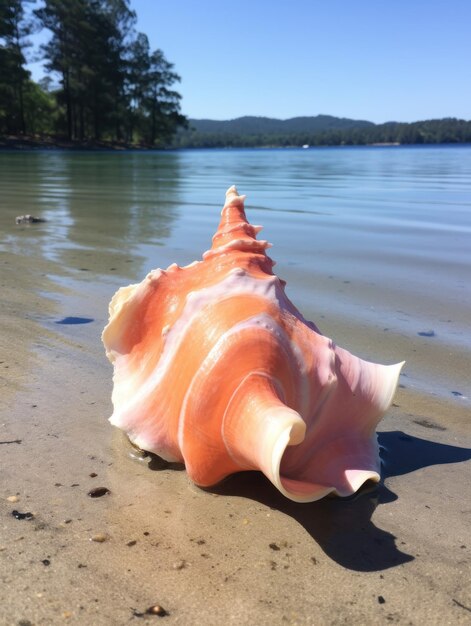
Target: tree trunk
x=19, y=69
x=81, y=123
x=68, y=103
x=22, y=107
x=96, y=120
x=153, y=128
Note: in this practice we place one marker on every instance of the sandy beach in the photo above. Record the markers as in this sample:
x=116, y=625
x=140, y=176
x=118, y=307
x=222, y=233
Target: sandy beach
x=240, y=553
x=234, y=554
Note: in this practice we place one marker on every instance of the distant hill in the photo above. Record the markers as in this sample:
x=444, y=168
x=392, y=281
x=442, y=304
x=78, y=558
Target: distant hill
x=255, y=125
x=319, y=130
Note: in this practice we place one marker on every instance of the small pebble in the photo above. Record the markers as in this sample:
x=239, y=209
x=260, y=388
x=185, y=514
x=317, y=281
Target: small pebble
x=99, y=537
x=156, y=610
x=426, y=333
x=381, y=600
x=457, y=393
x=428, y=424
x=19, y=515
x=93, y=475
x=273, y=546
x=131, y=543
x=98, y=492
x=179, y=565
x=13, y=499
x=46, y=562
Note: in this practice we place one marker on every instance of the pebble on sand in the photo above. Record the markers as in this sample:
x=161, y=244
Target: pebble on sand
x=157, y=610
x=98, y=492
x=99, y=537
x=18, y=515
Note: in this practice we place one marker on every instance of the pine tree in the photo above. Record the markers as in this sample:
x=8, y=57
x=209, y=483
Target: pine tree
x=14, y=32
x=162, y=103
x=87, y=50
x=109, y=83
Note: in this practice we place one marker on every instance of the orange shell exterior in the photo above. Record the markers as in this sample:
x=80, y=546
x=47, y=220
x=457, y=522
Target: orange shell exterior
x=215, y=367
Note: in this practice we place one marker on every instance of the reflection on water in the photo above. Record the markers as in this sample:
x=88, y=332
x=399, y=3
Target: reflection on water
x=100, y=208
x=100, y=211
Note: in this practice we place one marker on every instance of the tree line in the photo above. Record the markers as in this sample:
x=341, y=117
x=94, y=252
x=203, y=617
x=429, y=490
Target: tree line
x=447, y=130
x=104, y=82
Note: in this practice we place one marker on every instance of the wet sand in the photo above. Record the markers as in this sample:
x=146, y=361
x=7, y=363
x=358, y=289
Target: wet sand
x=240, y=553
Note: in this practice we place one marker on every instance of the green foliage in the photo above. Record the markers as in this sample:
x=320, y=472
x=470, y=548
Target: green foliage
x=14, y=31
x=324, y=131
x=266, y=125
x=111, y=86
x=40, y=110
x=154, y=110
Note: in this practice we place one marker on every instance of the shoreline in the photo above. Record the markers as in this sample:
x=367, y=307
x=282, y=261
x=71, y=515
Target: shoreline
x=53, y=143
x=30, y=143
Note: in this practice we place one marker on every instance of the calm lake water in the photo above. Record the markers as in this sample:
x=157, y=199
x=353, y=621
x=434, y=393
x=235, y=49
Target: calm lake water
x=375, y=243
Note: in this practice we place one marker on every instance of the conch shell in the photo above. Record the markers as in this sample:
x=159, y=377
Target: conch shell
x=216, y=368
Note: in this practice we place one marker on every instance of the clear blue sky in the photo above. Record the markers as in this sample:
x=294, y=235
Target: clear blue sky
x=378, y=60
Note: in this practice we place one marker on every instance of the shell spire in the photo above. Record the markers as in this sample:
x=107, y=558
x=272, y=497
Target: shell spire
x=234, y=232
x=214, y=366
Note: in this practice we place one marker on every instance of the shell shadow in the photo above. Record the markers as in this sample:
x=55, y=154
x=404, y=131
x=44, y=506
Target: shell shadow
x=343, y=527
x=402, y=453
